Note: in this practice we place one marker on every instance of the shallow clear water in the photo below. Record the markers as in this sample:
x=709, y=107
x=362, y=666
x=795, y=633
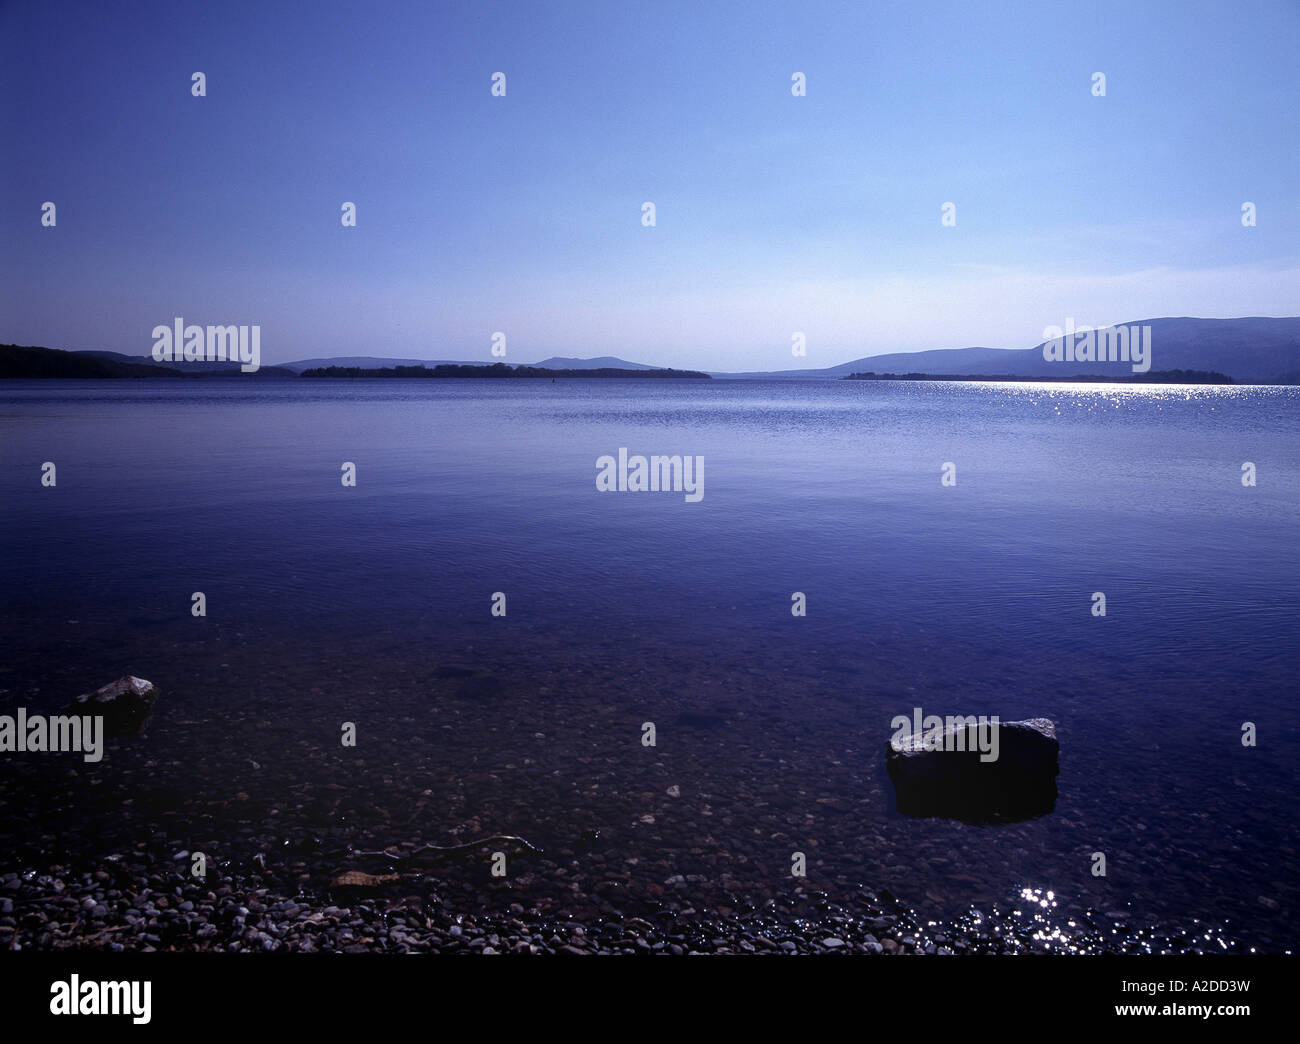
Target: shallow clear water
x=326, y=602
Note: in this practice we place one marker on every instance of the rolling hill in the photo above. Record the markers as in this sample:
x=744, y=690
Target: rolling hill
x=1248, y=349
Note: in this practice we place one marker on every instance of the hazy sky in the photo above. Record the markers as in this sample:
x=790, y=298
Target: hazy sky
x=523, y=214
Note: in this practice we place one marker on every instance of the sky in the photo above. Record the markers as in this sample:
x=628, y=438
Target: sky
x=523, y=214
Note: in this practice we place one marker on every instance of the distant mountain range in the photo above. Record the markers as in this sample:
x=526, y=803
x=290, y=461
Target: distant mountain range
x=30, y=361
x=1251, y=349
x=26, y=361
x=1254, y=349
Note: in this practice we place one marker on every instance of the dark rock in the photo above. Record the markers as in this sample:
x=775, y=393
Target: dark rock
x=126, y=704
x=950, y=780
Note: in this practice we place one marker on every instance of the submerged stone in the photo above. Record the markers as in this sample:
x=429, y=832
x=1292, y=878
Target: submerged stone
x=952, y=776
x=126, y=705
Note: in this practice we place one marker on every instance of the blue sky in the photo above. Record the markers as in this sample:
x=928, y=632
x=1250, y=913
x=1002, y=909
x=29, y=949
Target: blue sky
x=522, y=214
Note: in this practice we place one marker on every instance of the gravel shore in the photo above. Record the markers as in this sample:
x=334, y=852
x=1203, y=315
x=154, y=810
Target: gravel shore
x=122, y=910
x=686, y=846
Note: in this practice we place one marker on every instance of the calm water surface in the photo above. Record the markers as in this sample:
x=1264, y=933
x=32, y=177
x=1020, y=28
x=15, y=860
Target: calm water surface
x=327, y=603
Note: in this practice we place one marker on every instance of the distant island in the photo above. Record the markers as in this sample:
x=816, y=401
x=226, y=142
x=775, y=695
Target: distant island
x=494, y=370
x=1154, y=377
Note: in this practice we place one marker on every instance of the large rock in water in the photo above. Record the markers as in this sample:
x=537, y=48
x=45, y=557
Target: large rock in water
x=126, y=704
x=948, y=779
